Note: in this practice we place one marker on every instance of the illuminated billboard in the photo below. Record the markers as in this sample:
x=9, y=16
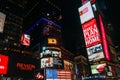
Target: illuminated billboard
x=86, y=12
x=46, y=62
x=52, y=74
x=50, y=53
x=21, y=66
x=25, y=39
x=2, y=21
x=52, y=41
x=56, y=63
x=98, y=68
x=68, y=65
x=91, y=33
x=3, y=64
x=95, y=52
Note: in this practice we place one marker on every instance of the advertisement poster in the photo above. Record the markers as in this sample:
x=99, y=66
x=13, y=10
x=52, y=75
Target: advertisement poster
x=91, y=33
x=56, y=63
x=98, y=68
x=21, y=66
x=3, y=64
x=68, y=65
x=50, y=53
x=25, y=39
x=86, y=12
x=2, y=21
x=46, y=62
x=95, y=53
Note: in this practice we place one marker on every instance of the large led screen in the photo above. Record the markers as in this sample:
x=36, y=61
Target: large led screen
x=86, y=12
x=95, y=52
x=25, y=39
x=56, y=63
x=52, y=74
x=3, y=64
x=98, y=68
x=46, y=62
x=91, y=33
x=50, y=53
x=68, y=65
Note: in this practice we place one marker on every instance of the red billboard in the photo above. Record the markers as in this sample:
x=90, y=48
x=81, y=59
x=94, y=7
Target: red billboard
x=3, y=64
x=25, y=39
x=91, y=33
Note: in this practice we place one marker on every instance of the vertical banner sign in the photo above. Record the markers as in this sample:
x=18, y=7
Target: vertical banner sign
x=2, y=20
x=91, y=33
x=104, y=39
x=3, y=64
x=86, y=12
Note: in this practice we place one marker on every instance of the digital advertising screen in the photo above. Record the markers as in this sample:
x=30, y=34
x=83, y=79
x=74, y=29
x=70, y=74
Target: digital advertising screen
x=95, y=52
x=56, y=63
x=25, y=39
x=52, y=74
x=86, y=12
x=21, y=66
x=46, y=62
x=50, y=53
x=98, y=68
x=3, y=64
x=68, y=65
x=52, y=41
x=91, y=33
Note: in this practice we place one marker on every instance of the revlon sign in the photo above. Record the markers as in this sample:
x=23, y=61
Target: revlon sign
x=91, y=33
x=23, y=66
x=3, y=64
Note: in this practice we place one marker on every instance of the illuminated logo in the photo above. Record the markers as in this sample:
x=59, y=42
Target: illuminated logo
x=23, y=66
x=39, y=76
x=85, y=10
x=52, y=41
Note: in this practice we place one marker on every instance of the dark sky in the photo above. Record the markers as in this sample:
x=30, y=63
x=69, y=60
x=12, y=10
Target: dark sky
x=71, y=27
x=115, y=18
